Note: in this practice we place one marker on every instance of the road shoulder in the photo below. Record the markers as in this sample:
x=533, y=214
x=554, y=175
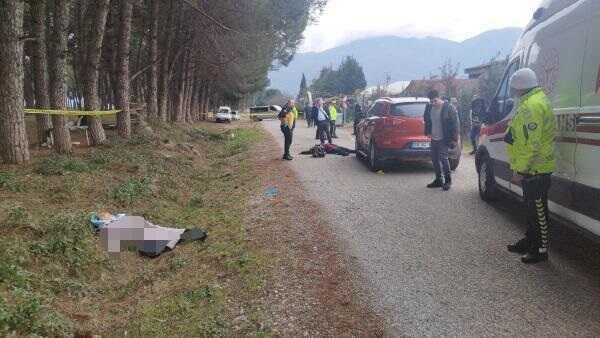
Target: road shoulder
x=312, y=291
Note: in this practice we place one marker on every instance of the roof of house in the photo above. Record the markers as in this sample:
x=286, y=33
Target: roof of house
x=420, y=87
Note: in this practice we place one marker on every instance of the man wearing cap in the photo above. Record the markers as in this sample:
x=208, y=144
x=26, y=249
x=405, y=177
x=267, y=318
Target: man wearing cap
x=530, y=150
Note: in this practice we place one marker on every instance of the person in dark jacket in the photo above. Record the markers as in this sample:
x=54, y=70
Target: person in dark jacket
x=322, y=120
x=358, y=115
x=308, y=115
x=441, y=124
x=287, y=117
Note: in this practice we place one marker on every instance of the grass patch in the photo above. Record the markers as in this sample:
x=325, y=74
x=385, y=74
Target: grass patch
x=132, y=190
x=61, y=165
x=53, y=269
x=9, y=182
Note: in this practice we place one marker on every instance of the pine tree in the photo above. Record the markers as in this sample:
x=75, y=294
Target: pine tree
x=352, y=77
x=13, y=138
x=303, y=89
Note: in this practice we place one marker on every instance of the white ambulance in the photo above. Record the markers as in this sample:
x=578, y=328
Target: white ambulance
x=562, y=45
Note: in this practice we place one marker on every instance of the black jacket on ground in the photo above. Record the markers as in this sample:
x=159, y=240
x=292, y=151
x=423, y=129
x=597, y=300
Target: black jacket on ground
x=449, y=120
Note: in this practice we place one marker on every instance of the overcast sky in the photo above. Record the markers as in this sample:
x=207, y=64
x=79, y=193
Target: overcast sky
x=347, y=20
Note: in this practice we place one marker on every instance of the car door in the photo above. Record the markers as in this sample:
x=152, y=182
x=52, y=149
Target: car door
x=370, y=122
x=587, y=157
x=499, y=116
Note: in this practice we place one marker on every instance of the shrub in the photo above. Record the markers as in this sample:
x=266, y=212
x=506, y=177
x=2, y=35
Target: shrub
x=9, y=181
x=131, y=190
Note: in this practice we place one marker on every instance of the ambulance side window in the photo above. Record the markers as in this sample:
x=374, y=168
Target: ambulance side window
x=502, y=105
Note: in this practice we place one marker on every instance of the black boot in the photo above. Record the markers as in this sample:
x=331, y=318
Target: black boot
x=436, y=184
x=521, y=247
x=533, y=258
x=447, y=182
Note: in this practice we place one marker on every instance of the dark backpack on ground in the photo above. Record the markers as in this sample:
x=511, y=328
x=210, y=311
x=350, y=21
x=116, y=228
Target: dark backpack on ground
x=318, y=151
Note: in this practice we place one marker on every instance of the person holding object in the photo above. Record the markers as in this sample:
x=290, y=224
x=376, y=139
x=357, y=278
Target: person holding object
x=531, y=139
x=288, y=120
x=441, y=124
x=322, y=119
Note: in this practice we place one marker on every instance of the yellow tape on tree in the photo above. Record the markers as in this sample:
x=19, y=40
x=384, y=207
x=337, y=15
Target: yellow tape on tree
x=71, y=112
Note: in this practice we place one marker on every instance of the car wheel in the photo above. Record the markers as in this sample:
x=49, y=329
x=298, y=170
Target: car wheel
x=374, y=162
x=488, y=189
x=357, y=148
x=454, y=163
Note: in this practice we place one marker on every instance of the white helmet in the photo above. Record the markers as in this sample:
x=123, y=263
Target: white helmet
x=524, y=79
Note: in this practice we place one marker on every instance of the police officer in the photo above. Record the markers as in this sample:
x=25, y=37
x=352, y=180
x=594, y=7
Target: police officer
x=333, y=113
x=531, y=153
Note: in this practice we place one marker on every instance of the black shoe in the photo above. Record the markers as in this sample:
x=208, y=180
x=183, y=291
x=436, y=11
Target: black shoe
x=436, y=184
x=447, y=183
x=521, y=247
x=288, y=158
x=533, y=258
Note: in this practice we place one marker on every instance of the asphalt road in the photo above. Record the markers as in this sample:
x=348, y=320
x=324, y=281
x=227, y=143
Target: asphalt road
x=435, y=263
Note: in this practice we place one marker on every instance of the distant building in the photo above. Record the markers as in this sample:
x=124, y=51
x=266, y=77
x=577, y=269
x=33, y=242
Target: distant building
x=422, y=87
x=478, y=71
x=393, y=89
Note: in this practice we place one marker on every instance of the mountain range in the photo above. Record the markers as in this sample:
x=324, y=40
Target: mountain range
x=400, y=58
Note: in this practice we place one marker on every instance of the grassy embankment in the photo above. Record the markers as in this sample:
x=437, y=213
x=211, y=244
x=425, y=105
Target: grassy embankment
x=55, y=278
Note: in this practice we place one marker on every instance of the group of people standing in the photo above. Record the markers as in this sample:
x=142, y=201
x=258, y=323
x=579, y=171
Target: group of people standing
x=323, y=116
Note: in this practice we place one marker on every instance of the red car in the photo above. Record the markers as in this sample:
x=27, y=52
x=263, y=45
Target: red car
x=394, y=130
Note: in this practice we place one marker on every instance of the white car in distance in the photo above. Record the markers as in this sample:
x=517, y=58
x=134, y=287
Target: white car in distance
x=224, y=115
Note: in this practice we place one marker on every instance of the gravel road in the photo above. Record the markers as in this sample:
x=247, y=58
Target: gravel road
x=434, y=263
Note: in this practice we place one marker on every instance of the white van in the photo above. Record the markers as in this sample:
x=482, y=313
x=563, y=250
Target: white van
x=224, y=115
x=562, y=45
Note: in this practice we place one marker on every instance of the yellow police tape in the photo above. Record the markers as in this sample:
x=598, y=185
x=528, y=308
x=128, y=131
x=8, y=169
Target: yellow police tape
x=71, y=112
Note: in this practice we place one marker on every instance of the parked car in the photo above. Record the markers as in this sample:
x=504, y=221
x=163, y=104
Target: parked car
x=235, y=115
x=260, y=113
x=224, y=115
x=562, y=45
x=394, y=130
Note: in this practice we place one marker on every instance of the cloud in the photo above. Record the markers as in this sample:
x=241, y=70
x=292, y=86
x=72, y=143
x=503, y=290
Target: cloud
x=348, y=20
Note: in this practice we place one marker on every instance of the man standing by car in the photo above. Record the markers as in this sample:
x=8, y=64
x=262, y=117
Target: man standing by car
x=358, y=115
x=288, y=120
x=322, y=119
x=475, y=124
x=441, y=124
x=531, y=154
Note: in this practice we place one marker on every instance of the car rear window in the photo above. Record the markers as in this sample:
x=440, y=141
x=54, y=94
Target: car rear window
x=408, y=109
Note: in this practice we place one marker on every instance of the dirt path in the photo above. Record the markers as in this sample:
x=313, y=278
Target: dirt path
x=311, y=292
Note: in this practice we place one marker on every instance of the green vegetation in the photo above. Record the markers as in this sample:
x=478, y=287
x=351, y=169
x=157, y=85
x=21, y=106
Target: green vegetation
x=56, y=279
x=347, y=79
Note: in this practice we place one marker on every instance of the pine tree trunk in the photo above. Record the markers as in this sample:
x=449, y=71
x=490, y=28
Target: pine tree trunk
x=14, y=147
x=123, y=86
x=57, y=75
x=40, y=66
x=90, y=87
x=152, y=97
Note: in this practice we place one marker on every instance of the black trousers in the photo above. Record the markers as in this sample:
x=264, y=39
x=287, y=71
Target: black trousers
x=323, y=129
x=287, y=135
x=333, y=128
x=439, y=158
x=535, y=192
